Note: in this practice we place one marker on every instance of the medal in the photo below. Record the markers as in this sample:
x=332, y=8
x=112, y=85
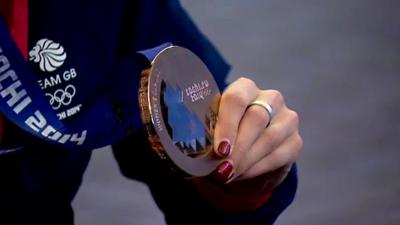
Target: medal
x=179, y=105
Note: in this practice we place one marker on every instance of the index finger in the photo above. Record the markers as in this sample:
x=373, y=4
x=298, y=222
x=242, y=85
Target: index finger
x=233, y=104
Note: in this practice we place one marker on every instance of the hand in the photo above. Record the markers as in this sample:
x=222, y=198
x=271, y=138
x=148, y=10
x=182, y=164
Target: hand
x=252, y=143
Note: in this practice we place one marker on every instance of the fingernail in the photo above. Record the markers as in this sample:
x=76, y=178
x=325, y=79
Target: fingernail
x=224, y=172
x=224, y=148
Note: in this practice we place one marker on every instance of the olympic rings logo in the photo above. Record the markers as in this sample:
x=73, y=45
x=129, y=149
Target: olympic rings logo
x=62, y=97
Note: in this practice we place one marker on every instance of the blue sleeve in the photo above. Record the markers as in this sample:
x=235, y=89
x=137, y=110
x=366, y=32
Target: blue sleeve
x=155, y=23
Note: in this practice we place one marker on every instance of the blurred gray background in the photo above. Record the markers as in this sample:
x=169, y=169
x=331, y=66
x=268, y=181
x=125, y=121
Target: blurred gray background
x=338, y=64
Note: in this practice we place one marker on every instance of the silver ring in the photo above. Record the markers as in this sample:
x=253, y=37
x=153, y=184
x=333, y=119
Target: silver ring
x=266, y=106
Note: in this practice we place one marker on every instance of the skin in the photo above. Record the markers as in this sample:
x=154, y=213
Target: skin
x=257, y=152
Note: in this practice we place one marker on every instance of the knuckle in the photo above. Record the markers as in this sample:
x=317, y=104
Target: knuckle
x=247, y=82
x=236, y=97
x=276, y=95
x=294, y=117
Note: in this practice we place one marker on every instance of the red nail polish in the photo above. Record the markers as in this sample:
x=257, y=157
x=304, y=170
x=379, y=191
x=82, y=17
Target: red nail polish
x=223, y=172
x=224, y=148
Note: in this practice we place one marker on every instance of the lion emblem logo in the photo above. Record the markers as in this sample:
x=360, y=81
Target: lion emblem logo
x=48, y=54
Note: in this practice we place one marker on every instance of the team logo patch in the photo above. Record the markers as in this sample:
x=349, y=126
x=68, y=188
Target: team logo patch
x=57, y=83
x=48, y=54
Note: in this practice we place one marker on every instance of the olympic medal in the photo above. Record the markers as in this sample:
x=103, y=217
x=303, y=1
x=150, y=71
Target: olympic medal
x=179, y=105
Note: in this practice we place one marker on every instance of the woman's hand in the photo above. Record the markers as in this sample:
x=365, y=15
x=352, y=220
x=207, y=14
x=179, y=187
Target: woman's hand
x=252, y=143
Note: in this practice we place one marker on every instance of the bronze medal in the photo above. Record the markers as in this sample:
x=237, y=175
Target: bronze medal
x=179, y=105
